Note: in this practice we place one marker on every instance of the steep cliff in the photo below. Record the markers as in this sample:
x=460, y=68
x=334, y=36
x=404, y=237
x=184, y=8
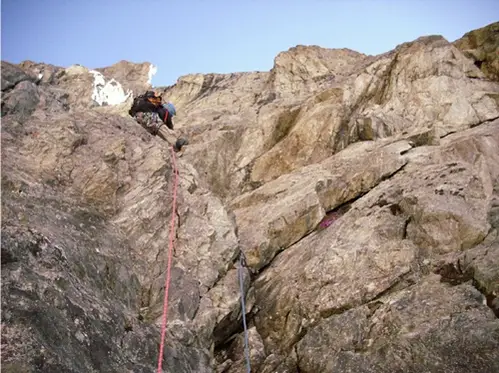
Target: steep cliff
x=363, y=191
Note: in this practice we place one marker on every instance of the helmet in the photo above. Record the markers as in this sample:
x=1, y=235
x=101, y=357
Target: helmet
x=171, y=108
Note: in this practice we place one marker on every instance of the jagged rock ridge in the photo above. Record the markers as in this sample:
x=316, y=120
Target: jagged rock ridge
x=401, y=148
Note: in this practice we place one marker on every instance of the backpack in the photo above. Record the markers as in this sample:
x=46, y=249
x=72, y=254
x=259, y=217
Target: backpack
x=139, y=99
x=171, y=108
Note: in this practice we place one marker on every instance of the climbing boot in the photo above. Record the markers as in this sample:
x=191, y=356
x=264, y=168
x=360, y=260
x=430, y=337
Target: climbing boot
x=179, y=143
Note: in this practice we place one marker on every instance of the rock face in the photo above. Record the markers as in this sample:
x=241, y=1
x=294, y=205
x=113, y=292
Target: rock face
x=262, y=134
x=482, y=46
x=44, y=73
x=362, y=190
x=135, y=77
x=306, y=69
x=83, y=88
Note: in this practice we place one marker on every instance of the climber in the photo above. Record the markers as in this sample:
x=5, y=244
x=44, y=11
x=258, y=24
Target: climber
x=148, y=111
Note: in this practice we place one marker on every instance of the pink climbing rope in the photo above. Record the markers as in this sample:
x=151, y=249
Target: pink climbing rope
x=168, y=269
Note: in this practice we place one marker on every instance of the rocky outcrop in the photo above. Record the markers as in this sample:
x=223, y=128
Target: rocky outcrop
x=406, y=332
x=45, y=73
x=83, y=87
x=424, y=84
x=134, y=77
x=437, y=204
x=283, y=211
x=308, y=69
x=12, y=75
x=362, y=190
x=482, y=46
x=69, y=250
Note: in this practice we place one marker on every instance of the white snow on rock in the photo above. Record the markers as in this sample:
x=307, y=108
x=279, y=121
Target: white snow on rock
x=40, y=76
x=107, y=93
x=152, y=71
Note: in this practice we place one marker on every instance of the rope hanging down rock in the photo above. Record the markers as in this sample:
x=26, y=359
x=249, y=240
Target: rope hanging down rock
x=242, y=264
x=169, y=266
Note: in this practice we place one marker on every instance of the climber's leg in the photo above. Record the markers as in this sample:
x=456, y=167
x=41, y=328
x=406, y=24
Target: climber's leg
x=169, y=136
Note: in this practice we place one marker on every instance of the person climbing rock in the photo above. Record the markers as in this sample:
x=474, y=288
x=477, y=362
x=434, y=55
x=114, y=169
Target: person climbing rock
x=149, y=111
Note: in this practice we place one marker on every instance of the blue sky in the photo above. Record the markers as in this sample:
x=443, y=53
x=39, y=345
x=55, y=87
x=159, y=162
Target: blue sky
x=203, y=36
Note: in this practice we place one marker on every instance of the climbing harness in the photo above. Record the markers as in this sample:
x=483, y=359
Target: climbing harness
x=242, y=264
x=168, y=269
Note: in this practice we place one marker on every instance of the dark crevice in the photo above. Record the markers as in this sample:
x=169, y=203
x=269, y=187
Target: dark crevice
x=477, y=78
x=332, y=215
x=395, y=210
x=225, y=344
x=225, y=332
x=484, y=122
x=234, y=262
x=8, y=256
x=345, y=206
x=396, y=286
x=403, y=281
x=285, y=123
x=390, y=175
x=227, y=329
x=406, y=225
x=325, y=314
x=223, y=339
x=177, y=229
x=298, y=369
x=255, y=272
x=456, y=274
x=492, y=301
x=339, y=139
x=382, y=94
x=471, y=126
x=247, y=184
x=448, y=134
x=373, y=306
x=146, y=297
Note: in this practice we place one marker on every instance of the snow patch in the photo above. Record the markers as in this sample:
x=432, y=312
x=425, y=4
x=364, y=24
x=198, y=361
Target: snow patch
x=110, y=93
x=152, y=71
x=40, y=76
